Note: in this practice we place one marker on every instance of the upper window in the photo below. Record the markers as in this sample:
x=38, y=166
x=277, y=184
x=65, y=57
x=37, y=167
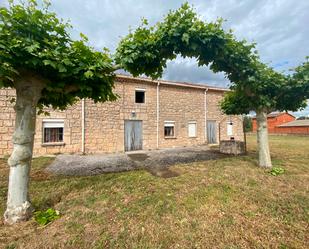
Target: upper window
x=192, y=129
x=230, y=128
x=53, y=131
x=169, y=129
x=139, y=96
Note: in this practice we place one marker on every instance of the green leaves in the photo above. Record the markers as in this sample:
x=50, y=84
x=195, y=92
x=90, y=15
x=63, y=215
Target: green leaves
x=45, y=217
x=62, y=68
x=34, y=39
x=147, y=49
x=49, y=63
x=255, y=85
x=185, y=38
x=32, y=48
x=88, y=74
x=275, y=171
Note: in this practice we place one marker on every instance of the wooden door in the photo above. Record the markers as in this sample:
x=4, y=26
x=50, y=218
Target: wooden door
x=211, y=132
x=133, y=135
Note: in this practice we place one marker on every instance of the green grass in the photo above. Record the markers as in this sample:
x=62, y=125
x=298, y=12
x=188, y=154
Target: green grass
x=224, y=203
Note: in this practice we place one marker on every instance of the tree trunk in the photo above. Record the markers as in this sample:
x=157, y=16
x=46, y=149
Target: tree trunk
x=262, y=140
x=28, y=92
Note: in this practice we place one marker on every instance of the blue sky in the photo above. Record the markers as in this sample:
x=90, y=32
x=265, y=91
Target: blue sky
x=279, y=27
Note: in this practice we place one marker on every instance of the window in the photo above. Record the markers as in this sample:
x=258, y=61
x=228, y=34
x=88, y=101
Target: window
x=139, y=96
x=53, y=131
x=192, y=129
x=230, y=128
x=169, y=129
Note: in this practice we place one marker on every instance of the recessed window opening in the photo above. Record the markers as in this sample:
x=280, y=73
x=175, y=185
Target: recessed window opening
x=192, y=129
x=140, y=96
x=53, y=131
x=230, y=128
x=169, y=129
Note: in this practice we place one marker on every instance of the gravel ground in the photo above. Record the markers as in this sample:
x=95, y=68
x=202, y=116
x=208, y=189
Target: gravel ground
x=155, y=161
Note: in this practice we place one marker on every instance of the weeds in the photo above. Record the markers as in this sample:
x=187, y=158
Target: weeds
x=275, y=171
x=45, y=217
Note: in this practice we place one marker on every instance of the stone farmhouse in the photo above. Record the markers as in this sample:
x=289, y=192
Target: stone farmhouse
x=149, y=114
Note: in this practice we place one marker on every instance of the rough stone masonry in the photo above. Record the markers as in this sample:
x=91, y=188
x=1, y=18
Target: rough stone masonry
x=172, y=114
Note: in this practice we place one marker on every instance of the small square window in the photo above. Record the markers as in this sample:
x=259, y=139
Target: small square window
x=53, y=131
x=169, y=129
x=139, y=96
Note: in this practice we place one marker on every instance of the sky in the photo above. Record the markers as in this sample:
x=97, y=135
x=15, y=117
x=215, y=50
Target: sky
x=279, y=27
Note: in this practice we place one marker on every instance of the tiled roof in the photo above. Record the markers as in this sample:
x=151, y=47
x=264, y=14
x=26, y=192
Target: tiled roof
x=275, y=114
x=304, y=122
x=174, y=83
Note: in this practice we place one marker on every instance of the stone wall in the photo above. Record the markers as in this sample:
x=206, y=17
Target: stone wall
x=104, y=122
x=232, y=147
x=237, y=129
x=72, y=127
x=214, y=113
x=7, y=119
x=181, y=105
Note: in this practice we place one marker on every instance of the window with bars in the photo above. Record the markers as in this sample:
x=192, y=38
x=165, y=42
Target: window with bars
x=53, y=131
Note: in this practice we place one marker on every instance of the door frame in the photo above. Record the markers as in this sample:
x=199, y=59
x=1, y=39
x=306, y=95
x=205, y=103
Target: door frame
x=124, y=132
x=216, y=131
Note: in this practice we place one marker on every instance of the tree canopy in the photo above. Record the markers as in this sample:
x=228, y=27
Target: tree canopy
x=288, y=93
x=255, y=85
x=47, y=68
x=34, y=40
x=297, y=88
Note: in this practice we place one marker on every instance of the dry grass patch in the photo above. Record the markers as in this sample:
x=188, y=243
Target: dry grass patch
x=224, y=203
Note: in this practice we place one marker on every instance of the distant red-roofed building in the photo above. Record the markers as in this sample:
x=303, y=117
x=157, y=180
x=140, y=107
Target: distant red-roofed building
x=274, y=120
x=294, y=127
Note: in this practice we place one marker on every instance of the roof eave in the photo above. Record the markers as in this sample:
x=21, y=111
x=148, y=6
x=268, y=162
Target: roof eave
x=173, y=83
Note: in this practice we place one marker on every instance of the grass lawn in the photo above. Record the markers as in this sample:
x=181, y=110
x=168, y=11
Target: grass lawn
x=225, y=203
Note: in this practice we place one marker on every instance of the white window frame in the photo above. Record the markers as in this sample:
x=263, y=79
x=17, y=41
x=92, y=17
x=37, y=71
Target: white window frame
x=229, y=128
x=169, y=124
x=52, y=123
x=195, y=129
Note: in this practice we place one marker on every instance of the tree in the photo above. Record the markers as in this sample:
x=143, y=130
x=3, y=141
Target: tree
x=47, y=68
x=275, y=92
x=255, y=86
x=299, y=84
